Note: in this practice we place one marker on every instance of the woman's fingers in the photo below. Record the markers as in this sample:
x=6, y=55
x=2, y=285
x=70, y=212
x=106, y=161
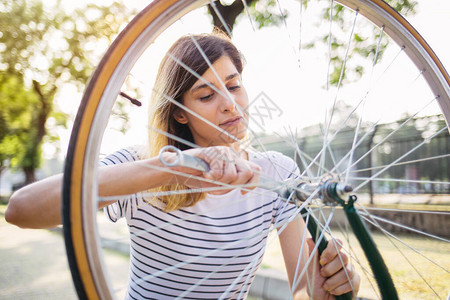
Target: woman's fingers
x=249, y=175
x=331, y=251
x=349, y=282
x=222, y=164
x=341, y=275
x=340, y=282
x=335, y=265
x=227, y=166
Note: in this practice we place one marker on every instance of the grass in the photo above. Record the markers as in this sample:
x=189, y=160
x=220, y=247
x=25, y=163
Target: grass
x=409, y=284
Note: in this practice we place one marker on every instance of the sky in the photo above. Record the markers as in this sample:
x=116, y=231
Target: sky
x=431, y=20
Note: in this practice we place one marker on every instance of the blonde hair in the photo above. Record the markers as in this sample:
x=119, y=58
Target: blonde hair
x=172, y=82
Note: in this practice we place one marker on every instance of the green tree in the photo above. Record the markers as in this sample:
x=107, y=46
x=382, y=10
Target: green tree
x=43, y=48
x=16, y=102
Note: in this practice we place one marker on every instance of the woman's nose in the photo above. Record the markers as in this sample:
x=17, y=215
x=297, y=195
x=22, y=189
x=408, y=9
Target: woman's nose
x=228, y=103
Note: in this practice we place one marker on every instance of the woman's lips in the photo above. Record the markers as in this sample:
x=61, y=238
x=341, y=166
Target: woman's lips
x=231, y=121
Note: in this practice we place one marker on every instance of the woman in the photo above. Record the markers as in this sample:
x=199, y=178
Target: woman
x=199, y=245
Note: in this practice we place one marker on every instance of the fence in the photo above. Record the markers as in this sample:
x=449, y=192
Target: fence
x=422, y=163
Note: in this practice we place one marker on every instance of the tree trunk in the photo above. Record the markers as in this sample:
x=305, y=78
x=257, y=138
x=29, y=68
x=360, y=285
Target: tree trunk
x=229, y=13
x=33, y=154
x=30, y=175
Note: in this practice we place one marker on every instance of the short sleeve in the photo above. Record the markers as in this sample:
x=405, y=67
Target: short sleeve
x=286, y=169
x=122, y=207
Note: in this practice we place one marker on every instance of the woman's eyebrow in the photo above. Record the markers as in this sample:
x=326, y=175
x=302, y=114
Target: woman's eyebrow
x=232, y=76
x=205, y=85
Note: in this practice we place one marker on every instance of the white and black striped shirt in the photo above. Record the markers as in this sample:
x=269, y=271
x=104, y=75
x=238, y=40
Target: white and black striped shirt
x=207, y=251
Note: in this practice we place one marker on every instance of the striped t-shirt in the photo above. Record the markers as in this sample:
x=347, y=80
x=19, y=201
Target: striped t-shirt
x=207, y=251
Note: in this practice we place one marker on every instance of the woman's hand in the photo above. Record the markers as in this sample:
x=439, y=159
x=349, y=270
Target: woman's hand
x=227, y=166
x=333, y=274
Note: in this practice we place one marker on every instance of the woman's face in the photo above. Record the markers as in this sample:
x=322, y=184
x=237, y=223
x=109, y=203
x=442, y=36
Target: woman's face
x=217, y=108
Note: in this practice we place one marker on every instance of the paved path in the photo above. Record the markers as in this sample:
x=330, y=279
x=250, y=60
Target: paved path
x=33, y=264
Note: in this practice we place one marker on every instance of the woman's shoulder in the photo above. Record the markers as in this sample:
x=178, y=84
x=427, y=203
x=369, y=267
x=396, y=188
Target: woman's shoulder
x=274, y=162
x=269, y=156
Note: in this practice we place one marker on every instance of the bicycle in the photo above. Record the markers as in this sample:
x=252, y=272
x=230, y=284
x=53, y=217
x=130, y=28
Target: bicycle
x=80, y=200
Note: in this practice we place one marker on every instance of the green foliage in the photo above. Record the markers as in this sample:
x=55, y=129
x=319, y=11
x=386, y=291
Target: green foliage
x=363, y=44
x=43, y=48
x=267, y=13
x=16, y=115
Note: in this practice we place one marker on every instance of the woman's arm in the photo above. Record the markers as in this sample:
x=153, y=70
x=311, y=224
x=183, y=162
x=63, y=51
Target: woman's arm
x=327, y=273
x=290, y=241
x=38, y=205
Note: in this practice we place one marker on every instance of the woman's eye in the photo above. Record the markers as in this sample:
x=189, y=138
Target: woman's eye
x=207, y=97
x=234, y=87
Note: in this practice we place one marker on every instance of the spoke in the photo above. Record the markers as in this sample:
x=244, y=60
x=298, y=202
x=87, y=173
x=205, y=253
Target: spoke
x=355, y=138
x=391, y=133
x=389, y=234
x=247, y=11
x=407, y=259
x=333, y=239
x=227, y=95
x=314, y=251
x=226, y=187
x=302, y=250
x=373, y=220
x=287, y=29
x=399, y=180
x=221, y=187
x=299, y=61
x=200, y=257
x=410, y=210
x=250, y=266
x=320, y=153
x=173, y=101
x=265, y=154
x=213, y=251
x=333, y=159
x=329, y=44
x=182, y=220
x=344, y=63
x=399, y=159
x=292, y=141
x=369, y=132
x=363, y=101
x=352, y=255
x=324, y=149
x=374, y=217
x=375, y=59
x=403, y=163
x=219, y=15
x=355, y=144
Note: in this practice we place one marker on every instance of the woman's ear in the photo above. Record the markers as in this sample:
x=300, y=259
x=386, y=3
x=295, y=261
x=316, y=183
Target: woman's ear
x=180, y=116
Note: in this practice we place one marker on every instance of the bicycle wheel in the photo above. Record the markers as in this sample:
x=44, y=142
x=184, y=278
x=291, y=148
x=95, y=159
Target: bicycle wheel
x=337, y=135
